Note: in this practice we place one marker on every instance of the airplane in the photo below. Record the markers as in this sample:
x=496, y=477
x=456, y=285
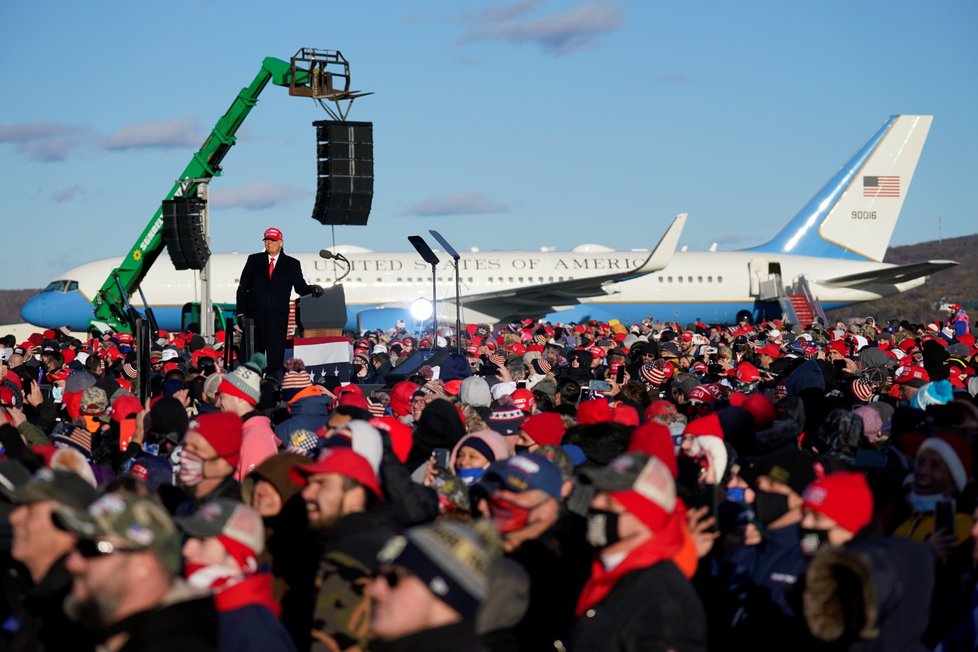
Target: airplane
x=834, y=246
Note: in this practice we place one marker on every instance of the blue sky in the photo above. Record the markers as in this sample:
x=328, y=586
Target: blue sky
x=502, y=125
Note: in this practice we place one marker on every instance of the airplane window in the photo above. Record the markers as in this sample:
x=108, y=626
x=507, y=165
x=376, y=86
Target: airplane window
x=72, y=286
x=719, y=279
x=669, y=278
x=380, y=280
x=398, y=280
x=55, y=286
x=521, y=279
x=551, y=279
x=660, y=279
x=679, y=279
x=709, y=279
x=699, y=279
x=510, y=279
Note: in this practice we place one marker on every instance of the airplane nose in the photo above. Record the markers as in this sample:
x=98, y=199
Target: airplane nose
x=57, y=309
x=33, y=311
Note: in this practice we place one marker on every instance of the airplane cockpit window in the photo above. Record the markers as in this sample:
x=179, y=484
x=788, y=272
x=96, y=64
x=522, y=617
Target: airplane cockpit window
x=57, y=286
x=72, y=286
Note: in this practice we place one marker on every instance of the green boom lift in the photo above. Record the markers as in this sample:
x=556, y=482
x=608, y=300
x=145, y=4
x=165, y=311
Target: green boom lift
x=323, y=75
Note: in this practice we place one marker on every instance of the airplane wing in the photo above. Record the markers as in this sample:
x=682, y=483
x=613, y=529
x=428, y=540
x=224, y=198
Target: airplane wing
x=888, y=275
x=543, y=298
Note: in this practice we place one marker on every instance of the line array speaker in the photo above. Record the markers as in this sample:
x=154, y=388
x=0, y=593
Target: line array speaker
x=183, y=232
x=345, y=172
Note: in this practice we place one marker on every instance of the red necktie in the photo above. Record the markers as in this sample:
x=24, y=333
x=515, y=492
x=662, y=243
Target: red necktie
x=271, y=267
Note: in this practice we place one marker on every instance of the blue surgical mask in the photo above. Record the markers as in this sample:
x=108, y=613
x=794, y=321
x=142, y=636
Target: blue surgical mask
x=925, y=504
x=736, y=494
x=470, y=476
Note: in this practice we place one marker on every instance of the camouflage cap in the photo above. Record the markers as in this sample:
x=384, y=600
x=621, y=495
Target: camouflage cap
x=65, y=487
x=129, y=522
x=95, y=402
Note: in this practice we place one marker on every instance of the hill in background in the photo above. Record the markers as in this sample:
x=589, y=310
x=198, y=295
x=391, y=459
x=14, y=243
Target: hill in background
x=956, y=285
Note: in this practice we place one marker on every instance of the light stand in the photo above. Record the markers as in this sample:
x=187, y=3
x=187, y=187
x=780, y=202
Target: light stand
x=429, y=257
x=450, y=250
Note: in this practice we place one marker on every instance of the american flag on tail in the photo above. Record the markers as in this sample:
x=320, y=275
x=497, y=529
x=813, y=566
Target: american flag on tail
x=323, y=356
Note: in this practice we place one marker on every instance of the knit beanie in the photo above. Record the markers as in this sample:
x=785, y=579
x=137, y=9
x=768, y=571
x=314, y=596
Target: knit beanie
x=491, y=444
x=872, y=421
x=844, y=497
x=245, y=381
x=222, y=430
x=451, y=558
x=938, y=392
x=475, y=392
x=505, y=419
x=295, y=378
x=544, y=428
x=956, y=454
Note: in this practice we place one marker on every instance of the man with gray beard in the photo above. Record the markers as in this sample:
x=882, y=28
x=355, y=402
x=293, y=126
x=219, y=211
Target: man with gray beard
x=126, y=587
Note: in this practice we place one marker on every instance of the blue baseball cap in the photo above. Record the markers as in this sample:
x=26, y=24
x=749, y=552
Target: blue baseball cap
x=524, y=472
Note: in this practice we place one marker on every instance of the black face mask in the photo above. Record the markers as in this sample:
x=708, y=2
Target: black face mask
x=812, y=540
x=769, y=506
x=602, y=528
x=689, y=472
x=522, y=449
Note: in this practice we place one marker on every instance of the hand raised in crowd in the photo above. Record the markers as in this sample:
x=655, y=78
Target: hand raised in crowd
x=702, y=527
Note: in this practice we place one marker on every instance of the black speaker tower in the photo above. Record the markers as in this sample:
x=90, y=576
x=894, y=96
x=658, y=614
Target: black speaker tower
x=183, y=232
x=345, y=170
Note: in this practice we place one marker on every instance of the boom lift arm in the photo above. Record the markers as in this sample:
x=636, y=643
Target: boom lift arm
x=311, y=73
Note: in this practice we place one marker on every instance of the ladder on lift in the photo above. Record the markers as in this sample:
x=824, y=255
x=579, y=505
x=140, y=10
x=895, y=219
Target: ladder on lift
x=799, y=305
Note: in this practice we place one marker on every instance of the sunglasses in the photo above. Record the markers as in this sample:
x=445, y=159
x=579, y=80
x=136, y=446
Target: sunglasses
x=90, y=549
x=393, y=575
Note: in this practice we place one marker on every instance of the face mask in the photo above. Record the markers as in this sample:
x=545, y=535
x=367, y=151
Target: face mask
x=470, y=476
x=812, y=540
x=736, y=495
x=602, y=528
x=522, y=449
x=770, y=506
x=202, y=576
x=506, y=516
x=56, y=393
x=925, y=504
x=191, y=469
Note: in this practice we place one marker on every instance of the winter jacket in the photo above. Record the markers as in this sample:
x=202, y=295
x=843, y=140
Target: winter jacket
x=457, y=637
x=630, y=620
x=307, y=414
x=258, y=443
x=39, y=622
x=248, y=617
x=341, y=619
x=185, y=621
x=885, y=585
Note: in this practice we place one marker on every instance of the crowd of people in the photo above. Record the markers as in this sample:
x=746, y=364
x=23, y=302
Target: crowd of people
x=584, y=487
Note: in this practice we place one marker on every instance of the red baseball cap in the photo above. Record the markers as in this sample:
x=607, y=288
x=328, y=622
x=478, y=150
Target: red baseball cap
x=271, y=233
x=913, y=376
x=341, y=461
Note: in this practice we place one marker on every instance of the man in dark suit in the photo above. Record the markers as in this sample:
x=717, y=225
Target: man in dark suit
x=264, y=291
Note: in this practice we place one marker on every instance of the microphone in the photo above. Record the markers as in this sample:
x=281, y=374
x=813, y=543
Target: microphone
x=326, y=253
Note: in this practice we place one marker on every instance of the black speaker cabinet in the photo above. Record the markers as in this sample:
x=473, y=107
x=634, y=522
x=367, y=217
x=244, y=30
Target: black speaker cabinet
x=183, y=232
x=345, y=172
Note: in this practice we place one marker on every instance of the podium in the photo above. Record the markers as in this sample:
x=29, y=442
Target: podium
x=323, y=316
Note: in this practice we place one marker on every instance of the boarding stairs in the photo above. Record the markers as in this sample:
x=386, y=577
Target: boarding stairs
x=799, y=305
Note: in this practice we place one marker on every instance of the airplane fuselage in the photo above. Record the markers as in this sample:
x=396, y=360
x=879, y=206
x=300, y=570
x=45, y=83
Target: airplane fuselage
x=711, y=286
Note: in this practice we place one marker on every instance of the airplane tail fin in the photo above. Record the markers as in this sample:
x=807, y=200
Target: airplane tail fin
x=854, y=214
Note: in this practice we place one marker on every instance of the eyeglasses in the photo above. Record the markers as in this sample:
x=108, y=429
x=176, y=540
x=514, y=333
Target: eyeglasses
x=393, y=575
x=90, y=549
